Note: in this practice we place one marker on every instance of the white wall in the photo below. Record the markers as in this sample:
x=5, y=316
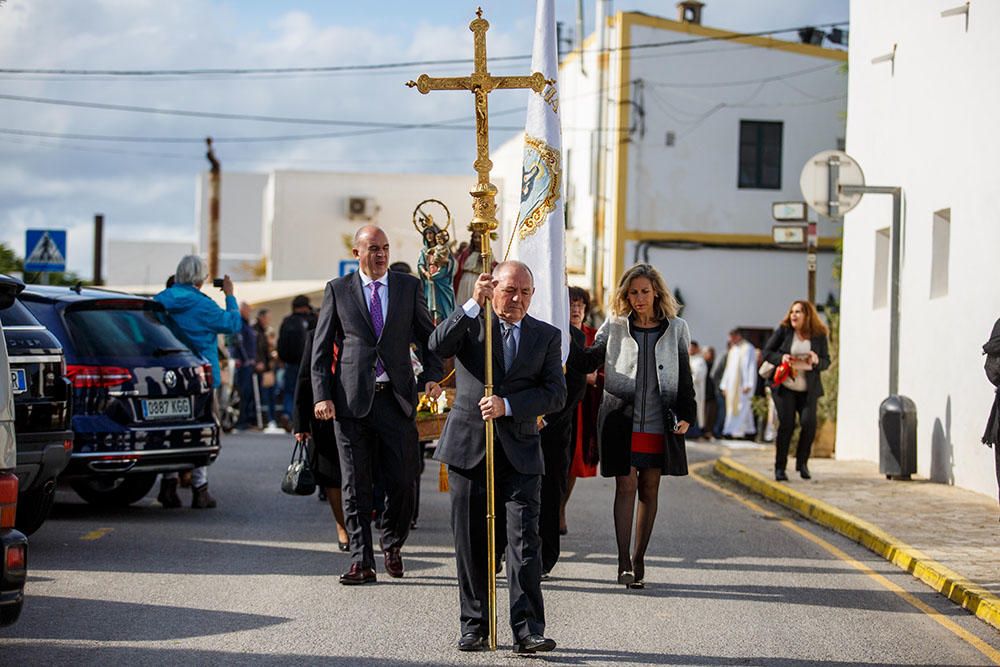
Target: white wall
x=240, y=212
x=692, y=185
x=724, y=288
x=930, y=127
x=143, y=262
x=311, y=232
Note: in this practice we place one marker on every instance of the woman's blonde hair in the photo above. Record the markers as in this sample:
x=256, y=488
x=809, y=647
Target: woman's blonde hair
x=665, y=306
x=813, y=325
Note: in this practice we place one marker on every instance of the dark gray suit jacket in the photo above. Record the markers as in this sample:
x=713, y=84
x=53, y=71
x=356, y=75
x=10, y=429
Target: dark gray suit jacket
x=534, y=386
x=344, y=320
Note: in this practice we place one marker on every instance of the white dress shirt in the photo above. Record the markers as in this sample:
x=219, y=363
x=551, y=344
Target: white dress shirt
x=383, y=295
x=472, y=309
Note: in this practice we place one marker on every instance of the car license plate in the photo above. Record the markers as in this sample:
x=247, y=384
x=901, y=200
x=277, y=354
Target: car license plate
x=18, y=381
x=166, y=408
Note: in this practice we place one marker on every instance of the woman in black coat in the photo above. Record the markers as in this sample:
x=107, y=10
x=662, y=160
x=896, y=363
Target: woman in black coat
x=800, y=343
x=323, y=458
x=647, y=405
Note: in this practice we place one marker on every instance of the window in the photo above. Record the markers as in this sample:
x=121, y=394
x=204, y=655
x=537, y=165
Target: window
x=880, y=291
x=17, y=316
x=760, y=154
x=940, y=242
x=120, y=329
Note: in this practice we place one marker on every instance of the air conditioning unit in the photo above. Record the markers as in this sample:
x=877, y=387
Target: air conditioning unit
x=361, y=208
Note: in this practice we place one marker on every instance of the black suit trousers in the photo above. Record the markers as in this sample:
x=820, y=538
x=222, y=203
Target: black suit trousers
x=518, y=499
x=556, y=439
x=385, y=439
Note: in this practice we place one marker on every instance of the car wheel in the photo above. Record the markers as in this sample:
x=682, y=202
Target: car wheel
x=9, y=613
x=114, y=492
x=33, y=507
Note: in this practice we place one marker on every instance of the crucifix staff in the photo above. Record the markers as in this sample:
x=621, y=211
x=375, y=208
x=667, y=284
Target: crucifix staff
x=481, y=83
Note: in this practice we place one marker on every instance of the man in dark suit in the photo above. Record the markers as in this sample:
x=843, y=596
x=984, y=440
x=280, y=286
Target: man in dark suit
x=371, y=316
x=557, y=449
x=528, y=382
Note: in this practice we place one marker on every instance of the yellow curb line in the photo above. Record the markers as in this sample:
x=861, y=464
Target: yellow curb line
x=949, y=583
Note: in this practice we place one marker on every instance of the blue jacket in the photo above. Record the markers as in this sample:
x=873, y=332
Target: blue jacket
x=199, y=321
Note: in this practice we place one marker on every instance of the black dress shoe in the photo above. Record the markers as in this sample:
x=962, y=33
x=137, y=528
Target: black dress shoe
x=780, y=475
x=472, y=641
x=804, y=471
x=534, y=644
x=358, y=575
x=393, y=563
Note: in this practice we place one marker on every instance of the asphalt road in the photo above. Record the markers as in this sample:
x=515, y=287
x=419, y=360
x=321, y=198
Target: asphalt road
x=255, y=582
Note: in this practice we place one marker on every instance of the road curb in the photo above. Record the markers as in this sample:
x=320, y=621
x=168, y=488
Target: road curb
x=949, y=583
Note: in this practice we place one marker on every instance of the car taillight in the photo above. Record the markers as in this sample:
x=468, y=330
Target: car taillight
x=205, y=371
x=68, y=444
x=84, y=377
x=8, y=499
x=16, y=558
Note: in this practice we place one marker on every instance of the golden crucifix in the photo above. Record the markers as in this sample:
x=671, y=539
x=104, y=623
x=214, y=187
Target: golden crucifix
x=484, y=222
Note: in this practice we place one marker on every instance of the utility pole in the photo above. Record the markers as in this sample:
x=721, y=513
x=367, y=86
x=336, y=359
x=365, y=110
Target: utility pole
x=597, y=238
x=812, y=241
x=98, y=248
x=214, y=189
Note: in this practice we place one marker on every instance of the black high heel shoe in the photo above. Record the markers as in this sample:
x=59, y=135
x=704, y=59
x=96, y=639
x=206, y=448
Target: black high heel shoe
x=640, y=572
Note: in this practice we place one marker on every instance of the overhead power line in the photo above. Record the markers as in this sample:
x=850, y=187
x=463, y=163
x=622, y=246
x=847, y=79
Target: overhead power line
x=329, y=69
x=292, y=120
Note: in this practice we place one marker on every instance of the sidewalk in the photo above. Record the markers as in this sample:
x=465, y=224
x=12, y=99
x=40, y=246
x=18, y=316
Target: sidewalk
x=945, y=536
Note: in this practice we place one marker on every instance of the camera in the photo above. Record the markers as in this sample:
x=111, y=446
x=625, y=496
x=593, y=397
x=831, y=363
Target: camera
x=218, y=282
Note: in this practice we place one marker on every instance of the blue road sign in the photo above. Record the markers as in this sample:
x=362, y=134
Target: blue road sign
x=348, y=266
x=45, y=250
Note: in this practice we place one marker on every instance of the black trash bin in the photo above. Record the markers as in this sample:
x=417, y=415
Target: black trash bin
x=897, y=421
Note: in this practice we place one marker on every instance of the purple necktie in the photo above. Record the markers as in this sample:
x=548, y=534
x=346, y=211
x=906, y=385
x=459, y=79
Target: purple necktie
x=377, y=322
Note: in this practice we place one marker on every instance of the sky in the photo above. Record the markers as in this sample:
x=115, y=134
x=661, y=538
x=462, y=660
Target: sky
x=146, y=189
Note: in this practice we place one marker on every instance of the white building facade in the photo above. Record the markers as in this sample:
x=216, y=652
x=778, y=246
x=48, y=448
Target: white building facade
x=675, y=145
x=923, y=118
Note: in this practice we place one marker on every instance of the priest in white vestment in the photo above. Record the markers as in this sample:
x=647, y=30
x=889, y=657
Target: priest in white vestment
x=738, y=384
x=699, y=373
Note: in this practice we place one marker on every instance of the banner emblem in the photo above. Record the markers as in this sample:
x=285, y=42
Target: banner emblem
x=540, y=185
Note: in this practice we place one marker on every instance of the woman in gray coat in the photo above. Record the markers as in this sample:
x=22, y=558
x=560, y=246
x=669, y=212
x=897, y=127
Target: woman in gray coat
x=647, y=406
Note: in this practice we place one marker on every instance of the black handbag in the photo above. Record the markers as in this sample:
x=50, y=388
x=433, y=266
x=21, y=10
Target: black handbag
x=299, y=480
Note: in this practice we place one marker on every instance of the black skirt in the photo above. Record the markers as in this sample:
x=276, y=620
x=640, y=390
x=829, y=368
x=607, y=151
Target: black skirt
x=323, y=457
x=616, y=449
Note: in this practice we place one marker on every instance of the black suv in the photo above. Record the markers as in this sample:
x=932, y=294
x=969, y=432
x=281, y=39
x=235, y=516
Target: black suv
x=41, y=412
x=142, y=400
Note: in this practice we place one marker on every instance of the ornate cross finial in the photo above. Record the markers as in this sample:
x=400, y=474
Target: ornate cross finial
x=479, y=12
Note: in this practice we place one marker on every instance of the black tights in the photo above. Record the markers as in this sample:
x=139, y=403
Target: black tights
x=646, y=482
x=788, y=403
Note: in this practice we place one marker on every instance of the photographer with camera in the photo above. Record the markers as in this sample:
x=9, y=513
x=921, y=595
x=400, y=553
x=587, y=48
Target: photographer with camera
x=198, y=321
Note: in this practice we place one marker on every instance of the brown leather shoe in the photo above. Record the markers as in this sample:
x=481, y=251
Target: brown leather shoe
x=358, y=575
x=168, y=493
x=201, y=499
x=393, y=563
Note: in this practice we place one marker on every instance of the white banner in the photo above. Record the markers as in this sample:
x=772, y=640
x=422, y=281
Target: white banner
x=540, y=233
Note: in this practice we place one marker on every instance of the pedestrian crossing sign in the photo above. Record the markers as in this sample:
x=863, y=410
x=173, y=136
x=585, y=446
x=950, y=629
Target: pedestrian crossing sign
x=45, y=250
